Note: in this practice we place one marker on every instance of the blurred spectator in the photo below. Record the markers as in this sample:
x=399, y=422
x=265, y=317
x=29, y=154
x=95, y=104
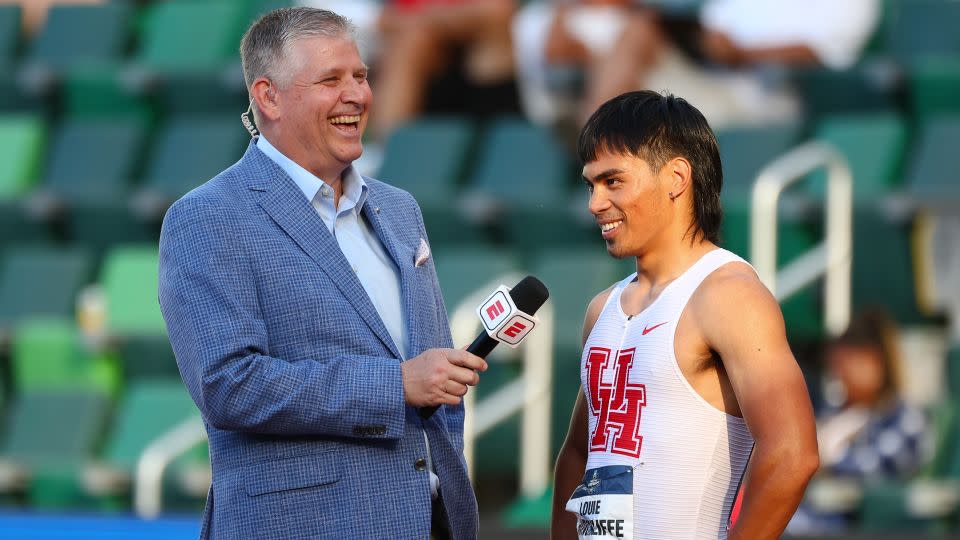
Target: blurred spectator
x=460, y=48
x=868, y=432
x=35, y=11
x=436, y=56
x=727, y=59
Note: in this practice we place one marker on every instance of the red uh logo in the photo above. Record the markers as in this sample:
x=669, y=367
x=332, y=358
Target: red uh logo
x=617, y=405
x=494, y=310
x=514, y=329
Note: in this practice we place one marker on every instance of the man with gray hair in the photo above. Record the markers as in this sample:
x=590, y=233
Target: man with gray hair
x=308, y=324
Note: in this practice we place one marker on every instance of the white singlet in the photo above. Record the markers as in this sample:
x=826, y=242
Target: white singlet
x=685, y=456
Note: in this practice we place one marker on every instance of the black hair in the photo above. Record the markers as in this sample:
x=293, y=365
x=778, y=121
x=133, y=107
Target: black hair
x=657, y=128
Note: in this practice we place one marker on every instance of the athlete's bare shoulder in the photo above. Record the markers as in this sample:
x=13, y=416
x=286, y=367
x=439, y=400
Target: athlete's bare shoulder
x=735, y=286
x=733, y=299
x=594, y=308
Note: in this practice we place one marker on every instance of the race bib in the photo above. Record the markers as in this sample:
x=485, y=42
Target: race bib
x=603, y=503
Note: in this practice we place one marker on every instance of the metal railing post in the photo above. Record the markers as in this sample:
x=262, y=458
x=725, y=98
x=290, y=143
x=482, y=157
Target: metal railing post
x=148, y=483
x=831, y=258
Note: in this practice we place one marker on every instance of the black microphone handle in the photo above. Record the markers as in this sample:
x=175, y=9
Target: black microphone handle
x=480, y=347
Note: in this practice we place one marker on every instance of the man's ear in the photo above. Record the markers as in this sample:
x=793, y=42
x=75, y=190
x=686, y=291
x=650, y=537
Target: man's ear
x=265, y=95
x=680, y=175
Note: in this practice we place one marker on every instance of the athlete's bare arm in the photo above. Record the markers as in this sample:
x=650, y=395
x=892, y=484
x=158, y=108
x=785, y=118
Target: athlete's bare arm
x=742, y=322
x=572, y=460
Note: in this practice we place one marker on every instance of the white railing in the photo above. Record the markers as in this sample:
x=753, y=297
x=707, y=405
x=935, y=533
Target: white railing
x=831, y=258
x=529, y=393
x=148, y=483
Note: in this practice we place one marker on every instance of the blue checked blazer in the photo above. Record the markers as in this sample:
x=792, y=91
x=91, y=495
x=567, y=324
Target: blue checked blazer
x=293, y=370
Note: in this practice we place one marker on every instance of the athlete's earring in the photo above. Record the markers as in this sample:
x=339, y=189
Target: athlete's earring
x=672, y=196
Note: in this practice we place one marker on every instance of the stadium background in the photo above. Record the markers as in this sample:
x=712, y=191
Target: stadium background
x=111, y=110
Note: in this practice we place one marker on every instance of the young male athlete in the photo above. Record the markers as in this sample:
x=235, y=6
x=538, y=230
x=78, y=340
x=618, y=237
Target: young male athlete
x=686, y=372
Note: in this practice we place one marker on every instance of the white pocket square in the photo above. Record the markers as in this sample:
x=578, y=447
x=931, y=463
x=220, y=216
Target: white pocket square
x=423, y=253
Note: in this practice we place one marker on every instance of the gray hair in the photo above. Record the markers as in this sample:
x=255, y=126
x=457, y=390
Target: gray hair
x=265, y=47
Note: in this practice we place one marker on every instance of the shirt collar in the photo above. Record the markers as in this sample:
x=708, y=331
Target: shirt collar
x=354, y=187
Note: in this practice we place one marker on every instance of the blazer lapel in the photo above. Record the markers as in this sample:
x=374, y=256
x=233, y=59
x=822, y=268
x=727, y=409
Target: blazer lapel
x=379, y=217
x=280, y=197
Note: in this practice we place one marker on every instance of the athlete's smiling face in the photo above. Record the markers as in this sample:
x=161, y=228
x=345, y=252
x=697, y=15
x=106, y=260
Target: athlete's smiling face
x=629, y=200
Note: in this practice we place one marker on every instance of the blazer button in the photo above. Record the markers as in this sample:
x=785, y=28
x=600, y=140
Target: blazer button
x=420, y=464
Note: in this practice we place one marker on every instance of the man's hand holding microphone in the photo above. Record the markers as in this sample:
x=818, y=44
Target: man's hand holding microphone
x=441, y=376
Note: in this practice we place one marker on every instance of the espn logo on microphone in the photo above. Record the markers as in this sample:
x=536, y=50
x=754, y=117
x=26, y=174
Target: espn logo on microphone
x=495, y=310
x=502, y=320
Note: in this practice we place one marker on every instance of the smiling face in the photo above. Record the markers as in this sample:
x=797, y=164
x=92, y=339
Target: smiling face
x=322, y=110
x=630, y=202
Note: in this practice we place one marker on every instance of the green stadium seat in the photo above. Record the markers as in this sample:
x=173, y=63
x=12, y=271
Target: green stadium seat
x=935, y=87
x=130, y=279
x=147, y=357
x=462, y=271
x=188, y=151
x=103, y=225
x=93, y=160
x=37, y=282
x=82, y=50
x=205, y=40
x=946, y=434
x=17, y=228
x=874, y=146
x=12, y=99
x=885, y=510
x=953, y=377
x=521, y=186
x=933, y=175
x=428, y=157
x=256, y=8
x=48, y=436
x=857, y=90
x=882, y=272
x=22, y=144
x=744, y=152
x=195, y=69
x=97, y=92
x=10, y=16
x=88, y=179
x=148, y=409
x=77, y=37
x=48, y=354
x=22, y=139
x=920, y=28
x=521, y=164
x=134, y=322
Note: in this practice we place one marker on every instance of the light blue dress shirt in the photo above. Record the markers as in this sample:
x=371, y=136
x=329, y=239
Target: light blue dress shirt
x=377, y=272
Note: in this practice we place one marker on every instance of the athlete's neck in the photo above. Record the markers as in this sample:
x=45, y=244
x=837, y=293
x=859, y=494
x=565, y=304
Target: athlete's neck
x=661, y=264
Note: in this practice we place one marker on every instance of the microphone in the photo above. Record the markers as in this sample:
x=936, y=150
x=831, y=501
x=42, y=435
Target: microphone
x=509, y=319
